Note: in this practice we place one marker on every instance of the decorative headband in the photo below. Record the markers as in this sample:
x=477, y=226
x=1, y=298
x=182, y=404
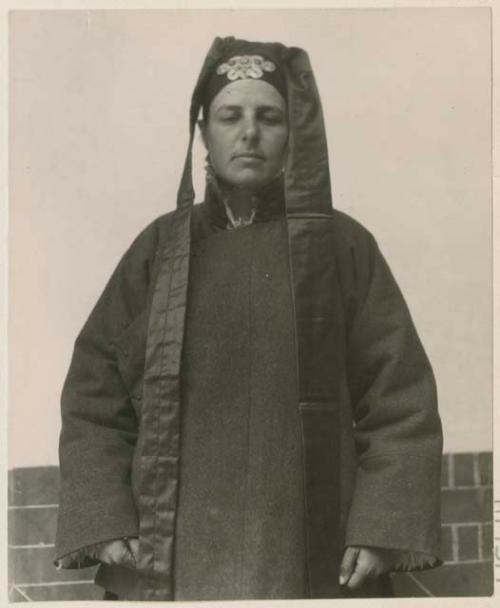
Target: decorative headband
x=243, y=67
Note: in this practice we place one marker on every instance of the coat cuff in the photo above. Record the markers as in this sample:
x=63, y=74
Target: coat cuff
x=84, y=521
x=85, y=557
x=396, y=503
x=81, y=558
x=408, y=561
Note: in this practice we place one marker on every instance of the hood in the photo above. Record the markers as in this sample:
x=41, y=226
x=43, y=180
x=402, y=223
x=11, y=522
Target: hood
x=307, y=175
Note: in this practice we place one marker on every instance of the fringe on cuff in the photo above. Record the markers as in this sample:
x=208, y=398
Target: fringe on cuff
x=85, y=557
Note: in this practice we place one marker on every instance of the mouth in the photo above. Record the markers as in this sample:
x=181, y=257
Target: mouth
x=249, y=155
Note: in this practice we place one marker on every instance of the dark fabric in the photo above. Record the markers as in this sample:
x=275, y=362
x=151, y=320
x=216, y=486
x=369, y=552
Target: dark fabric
x=99, y=422
x=156, y=474
x=241, y=486
x=397, y=433
x=84, y=517
x=375, y=588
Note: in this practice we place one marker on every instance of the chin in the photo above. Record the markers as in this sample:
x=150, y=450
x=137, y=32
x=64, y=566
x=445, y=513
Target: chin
x=250, y=182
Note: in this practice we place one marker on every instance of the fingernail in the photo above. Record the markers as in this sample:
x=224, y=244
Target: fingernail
x=342, y=579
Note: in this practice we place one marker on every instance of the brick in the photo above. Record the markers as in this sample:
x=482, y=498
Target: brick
x=444, y=471
x=34, y=486
x=446, y=544
x=458, y=580
x=466, y=505
x=54, y=593
x=32, y=526
x=36, y=566
x=468, y=543
x=486, y=468
x=463, y=465
x=487, y=541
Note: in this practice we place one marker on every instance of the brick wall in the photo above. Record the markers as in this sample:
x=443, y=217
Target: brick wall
x=32, y=512
x=467, y=537
x=466, y=533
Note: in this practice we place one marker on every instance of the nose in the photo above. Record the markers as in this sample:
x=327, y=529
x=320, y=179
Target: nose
x=250, y=129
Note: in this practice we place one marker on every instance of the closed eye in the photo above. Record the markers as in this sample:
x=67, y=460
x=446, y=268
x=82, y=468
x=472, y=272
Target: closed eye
x=228, y=119
x=272, y=116
x=228, y=114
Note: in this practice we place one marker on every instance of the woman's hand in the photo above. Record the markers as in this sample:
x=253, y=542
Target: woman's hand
x=360, y=564
x=119, y=552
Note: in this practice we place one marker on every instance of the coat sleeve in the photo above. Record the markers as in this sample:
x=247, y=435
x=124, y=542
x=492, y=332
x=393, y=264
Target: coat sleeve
x=397, y=429
x=99, y=424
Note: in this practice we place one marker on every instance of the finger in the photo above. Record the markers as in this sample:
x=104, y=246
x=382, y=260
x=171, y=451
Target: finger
x=133, y=544
x=125, y=557
x=129, y=560
x=372, y=562
x=361, y=570
x=64, y=562
x=114, y=552
x=366, y=568
x=348, y=564
x=358, y=578
x=104, y=553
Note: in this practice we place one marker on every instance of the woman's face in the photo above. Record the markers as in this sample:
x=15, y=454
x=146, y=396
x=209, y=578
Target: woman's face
x=247, y=132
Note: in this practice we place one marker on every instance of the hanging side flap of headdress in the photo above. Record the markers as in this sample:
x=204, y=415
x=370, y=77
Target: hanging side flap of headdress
x=308, y=186
x=185, y=194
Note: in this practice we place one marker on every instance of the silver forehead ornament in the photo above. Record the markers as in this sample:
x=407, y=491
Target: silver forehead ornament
x=245, y=66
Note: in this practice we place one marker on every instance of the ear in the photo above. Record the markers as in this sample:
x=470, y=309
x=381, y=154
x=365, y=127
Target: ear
x=203, y=130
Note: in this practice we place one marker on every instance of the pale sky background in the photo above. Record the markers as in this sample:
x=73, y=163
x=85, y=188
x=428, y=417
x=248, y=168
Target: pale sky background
x=98, y=133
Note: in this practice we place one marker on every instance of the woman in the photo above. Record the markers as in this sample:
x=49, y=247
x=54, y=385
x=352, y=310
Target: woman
x=249, y=412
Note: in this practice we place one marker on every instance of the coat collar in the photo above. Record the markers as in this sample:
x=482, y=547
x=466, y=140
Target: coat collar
x=269, y=201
